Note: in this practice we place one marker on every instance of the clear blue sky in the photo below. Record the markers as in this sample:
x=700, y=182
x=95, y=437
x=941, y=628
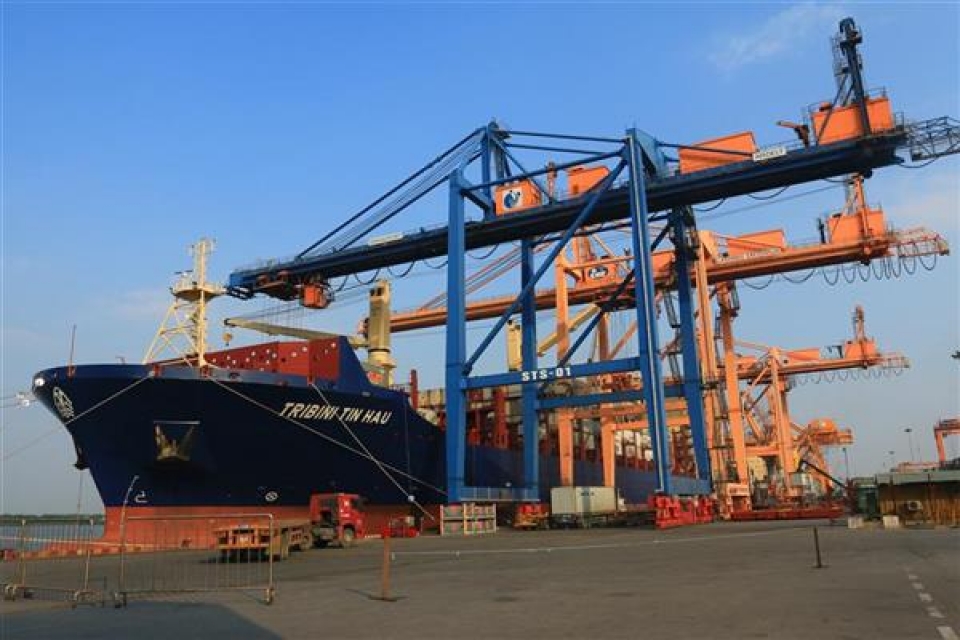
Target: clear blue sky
x=130, y=130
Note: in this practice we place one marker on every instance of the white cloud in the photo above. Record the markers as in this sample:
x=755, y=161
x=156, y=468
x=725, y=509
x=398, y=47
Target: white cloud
x=927, y=197
x=143, y=304
x=781, y=32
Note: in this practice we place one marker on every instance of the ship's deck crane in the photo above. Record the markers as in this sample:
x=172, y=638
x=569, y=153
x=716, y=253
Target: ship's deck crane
x=271, y=329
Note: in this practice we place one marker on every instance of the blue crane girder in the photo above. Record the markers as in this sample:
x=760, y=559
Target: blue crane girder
x=798, y=166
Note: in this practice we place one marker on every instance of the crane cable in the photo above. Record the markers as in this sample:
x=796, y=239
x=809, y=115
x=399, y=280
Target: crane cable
x=771, y=196
x=707, y=209
x=751, y=207
x=884, y=268
x=919, y=166
x=441, y=266
x=488, y=254
x=404, y=274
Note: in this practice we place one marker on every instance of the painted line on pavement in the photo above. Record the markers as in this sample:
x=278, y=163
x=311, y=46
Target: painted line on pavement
x=947, y=633
x=588, y=547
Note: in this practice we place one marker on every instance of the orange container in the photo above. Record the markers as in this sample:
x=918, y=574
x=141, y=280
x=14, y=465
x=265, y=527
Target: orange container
x=759, y=242
x=293, y=358
x=844, y=122
x=803, y=355
x=314, y=297
x=662, y=263
x=515, y=196
x=581, y=179
x=859, y=349
x=699, y=159
x=848, y=228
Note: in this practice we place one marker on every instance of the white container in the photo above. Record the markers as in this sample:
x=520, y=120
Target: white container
x=583, y=501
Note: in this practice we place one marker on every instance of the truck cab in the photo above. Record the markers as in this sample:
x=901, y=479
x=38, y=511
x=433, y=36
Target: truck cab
x=336, y=518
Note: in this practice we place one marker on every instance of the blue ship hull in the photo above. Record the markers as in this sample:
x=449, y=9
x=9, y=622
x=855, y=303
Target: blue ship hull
x=178, y=436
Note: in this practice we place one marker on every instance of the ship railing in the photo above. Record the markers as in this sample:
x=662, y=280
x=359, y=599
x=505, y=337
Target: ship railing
x=53, y=558
x=180, y=554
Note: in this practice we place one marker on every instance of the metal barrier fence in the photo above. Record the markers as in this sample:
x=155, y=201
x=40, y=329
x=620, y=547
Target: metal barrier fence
x=189, y=554
x=52, y=558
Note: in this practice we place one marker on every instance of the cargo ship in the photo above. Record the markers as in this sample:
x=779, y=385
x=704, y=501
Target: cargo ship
x=260, y=428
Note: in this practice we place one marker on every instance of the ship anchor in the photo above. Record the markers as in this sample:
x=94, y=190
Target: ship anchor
x=170, y=449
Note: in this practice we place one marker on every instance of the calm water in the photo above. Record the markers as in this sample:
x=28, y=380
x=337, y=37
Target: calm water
x=40, y=534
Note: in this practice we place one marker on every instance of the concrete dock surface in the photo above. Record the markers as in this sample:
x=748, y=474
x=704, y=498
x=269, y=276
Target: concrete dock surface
x=724, y=580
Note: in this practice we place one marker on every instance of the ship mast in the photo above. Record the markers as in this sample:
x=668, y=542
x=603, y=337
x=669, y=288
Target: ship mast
x=183, y=331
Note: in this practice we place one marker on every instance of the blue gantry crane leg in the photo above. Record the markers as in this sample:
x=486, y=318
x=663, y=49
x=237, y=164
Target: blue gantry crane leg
x=682, y=224
x=648, y=344
x=456, y=351
x=528, y=399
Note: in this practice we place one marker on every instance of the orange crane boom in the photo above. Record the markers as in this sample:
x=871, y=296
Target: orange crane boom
x=728, y=258
x=943, y=429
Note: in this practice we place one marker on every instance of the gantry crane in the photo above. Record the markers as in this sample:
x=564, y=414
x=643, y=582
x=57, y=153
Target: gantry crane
x=593, y=270
x=592, y=267
x=773, y=437
x=811, y=442
x=944, y=428
x=590, y=270
x=767, y=435
x=641, y=185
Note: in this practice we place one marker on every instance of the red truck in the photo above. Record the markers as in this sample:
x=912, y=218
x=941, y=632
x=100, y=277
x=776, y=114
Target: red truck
x=336, y=518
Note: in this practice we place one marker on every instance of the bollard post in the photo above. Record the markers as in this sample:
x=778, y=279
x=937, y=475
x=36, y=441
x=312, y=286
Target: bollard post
x=385, y=573
x=816, y=545
x=385, y=570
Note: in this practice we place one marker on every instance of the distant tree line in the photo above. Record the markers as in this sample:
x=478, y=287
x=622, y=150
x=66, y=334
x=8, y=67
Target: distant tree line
x=98, y=518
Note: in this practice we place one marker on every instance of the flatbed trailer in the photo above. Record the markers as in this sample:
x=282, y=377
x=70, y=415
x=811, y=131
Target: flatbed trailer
x=273, y=539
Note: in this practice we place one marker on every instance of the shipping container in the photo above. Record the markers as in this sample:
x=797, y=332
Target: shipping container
x=718, y=152
x=582, y=501
x=831, y=124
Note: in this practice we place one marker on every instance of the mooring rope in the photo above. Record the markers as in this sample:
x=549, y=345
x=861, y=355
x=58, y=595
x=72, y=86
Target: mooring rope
x=110, y=398
x=323, y=435
x=82, y=414
x=410, y=497
x=364, y=454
